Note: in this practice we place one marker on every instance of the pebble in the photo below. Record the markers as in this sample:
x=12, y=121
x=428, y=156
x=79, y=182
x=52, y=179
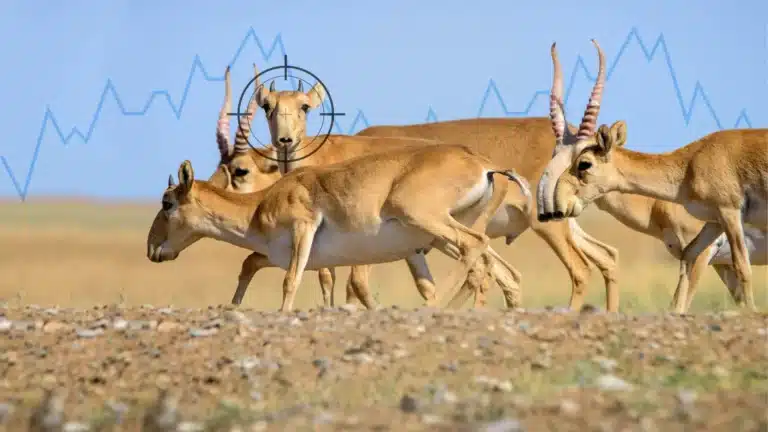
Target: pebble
x=349, y=308
x=321, y=363
x=119, y=324
x=605, y=364
x=89, y=333
x=506, y=425
x=23, y=325
x=431, y=419
x=409, y=404
x=203, y=332
x=55, y=326
x=569, y=408
x=612, y=383
x=5, y=325
x=190, y=427
x=236, y=317
x=75, y=427
x=169, y=326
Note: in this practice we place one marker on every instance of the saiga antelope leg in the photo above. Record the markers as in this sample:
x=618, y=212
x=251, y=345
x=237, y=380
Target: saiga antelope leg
x=477, y=283
x=425, y=284
x=327, y=278
x=501, y=273
x=498, y=194
x=557, y=235
x=732, y=224
x=699, y=265
x=303, y=235
x=358, y=283
x=604, y=257
x=699, y=244
x=728, y=276
x=251, y=264
x=453, y=239
x=256, y=261
x=417, y=265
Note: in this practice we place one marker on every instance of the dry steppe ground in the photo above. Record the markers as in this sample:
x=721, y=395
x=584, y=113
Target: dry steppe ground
x=108, y=328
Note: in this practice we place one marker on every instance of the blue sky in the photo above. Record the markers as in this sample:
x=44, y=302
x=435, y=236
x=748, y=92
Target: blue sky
x=392, y=61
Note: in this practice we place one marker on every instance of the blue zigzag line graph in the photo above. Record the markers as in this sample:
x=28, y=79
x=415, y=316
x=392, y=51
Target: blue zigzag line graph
x=49, y=119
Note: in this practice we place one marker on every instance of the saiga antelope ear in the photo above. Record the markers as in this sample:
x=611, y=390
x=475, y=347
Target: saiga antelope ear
x=619, y=133
x=262, y=94
x=604, y=139
x=316, y=95
x=186, y=176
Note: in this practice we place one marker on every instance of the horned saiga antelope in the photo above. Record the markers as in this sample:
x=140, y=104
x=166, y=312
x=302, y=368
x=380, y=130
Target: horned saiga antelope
x=243, y=170
x=721, y=179
x=372, y=209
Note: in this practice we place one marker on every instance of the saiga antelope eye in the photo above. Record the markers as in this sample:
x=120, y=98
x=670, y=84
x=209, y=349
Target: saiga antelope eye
x=584, y=165
x=167, y=205
x=240, y=172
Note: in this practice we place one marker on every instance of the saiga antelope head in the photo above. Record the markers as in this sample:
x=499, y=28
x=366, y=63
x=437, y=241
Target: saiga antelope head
x=174, y=227
x=241, y=168
x=286, y=113
x=569, y=147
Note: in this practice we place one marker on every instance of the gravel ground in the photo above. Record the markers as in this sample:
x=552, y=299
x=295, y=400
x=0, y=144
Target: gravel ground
x=116, y=368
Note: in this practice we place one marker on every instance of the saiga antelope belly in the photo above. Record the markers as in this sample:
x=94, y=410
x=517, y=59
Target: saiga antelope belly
x=390, y=240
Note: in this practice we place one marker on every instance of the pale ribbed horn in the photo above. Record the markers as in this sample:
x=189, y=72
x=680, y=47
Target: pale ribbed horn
x=272, y=86
x=556, y=112
x=589, y=121
x=300, y=88
x=222, y=127
x=244, y=122
x=170, y=180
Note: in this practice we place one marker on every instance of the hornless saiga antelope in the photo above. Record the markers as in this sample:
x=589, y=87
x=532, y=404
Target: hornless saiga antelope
x=242, y=169
x=371, y=209
x=721, y=179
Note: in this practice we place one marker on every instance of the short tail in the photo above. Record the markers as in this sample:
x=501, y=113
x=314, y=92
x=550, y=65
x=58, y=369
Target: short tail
x=520, y=180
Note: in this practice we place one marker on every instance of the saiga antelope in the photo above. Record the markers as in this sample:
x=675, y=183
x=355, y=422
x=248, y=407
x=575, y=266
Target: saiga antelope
x=371, y=209
x=721, y=179
x=243, y=170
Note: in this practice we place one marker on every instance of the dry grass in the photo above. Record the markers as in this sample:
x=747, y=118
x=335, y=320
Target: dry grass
x=77, y=254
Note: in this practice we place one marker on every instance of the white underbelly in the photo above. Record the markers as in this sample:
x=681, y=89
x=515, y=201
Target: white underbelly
x=333, y=247
x=756, y=213
x=757, y=247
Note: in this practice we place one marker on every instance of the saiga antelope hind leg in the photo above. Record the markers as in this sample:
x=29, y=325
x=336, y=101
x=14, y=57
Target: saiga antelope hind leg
x=604, y=257
x=691, y=253
x=417, y=265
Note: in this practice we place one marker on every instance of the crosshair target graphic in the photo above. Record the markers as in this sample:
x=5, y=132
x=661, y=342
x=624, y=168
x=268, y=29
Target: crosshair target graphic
x=316, y=141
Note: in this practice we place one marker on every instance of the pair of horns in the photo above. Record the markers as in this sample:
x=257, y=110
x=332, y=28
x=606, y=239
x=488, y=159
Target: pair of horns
x=299, y=88
x=588, y=124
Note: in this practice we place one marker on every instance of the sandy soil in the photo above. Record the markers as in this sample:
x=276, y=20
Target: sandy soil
x=391, y=369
